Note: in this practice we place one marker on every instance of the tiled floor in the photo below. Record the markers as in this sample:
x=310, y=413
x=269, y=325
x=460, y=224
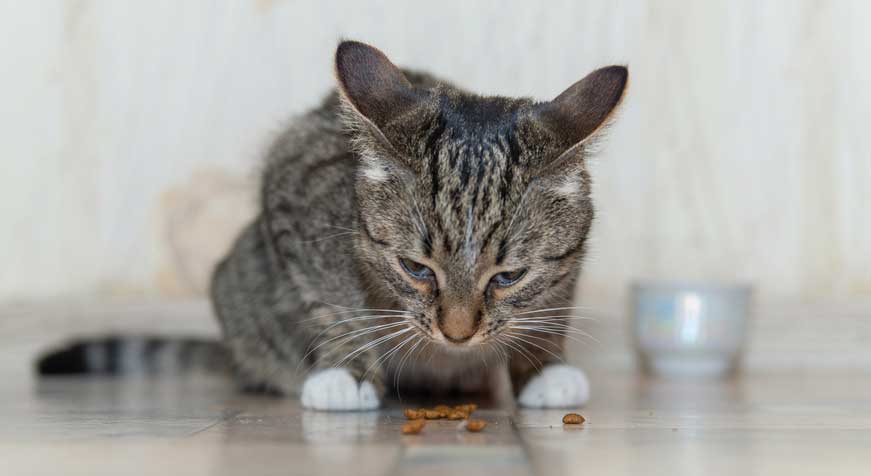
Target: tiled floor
x=766, y=424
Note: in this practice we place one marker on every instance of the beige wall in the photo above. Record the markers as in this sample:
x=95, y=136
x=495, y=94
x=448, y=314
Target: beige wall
x=131, y=130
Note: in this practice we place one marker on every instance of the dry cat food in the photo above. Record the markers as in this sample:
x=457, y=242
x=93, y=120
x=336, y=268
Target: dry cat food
x=573, y=419
x=413, y=427
x=475, y=425
x=441, y=412
x=418, y=417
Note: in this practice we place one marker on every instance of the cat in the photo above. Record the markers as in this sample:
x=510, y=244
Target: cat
x=414, y=234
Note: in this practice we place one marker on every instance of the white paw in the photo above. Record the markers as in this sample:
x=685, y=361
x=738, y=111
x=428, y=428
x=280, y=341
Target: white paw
x=337, y=389
x=557, y=386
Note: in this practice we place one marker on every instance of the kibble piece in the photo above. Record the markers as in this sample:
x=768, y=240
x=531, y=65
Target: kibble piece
x=458, y=415
x=413, y=427
x=475, y=425
x=468, y=407
x=413, y=414
x=573, y=419
x=431, y=414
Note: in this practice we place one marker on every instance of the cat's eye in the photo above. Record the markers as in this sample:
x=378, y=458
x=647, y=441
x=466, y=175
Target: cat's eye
x=416, y=270
x=508, y=278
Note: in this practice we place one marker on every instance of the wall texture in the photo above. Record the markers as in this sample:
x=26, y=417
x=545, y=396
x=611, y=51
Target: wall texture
x=131, y=130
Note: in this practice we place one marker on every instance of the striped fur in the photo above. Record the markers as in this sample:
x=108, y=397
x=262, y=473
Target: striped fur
x=398, y=165
x=403, y=165
x=130, y=355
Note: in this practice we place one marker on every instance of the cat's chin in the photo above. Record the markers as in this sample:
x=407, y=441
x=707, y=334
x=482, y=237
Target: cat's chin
x=461, y=349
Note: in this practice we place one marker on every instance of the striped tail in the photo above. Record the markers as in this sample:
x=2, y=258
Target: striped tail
x=130, y=355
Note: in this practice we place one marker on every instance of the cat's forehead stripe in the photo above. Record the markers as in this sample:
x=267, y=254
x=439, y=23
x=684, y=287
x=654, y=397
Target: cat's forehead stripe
x=471, y=175
x=431, y=151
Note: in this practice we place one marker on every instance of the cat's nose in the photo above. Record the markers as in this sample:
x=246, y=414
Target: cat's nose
x=457, y=340
x=459, y=324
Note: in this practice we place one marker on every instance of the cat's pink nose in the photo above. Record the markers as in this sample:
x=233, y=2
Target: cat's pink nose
x=459, y=324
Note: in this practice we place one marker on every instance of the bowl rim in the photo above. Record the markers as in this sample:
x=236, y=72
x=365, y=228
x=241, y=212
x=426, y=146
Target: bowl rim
x=677, y=286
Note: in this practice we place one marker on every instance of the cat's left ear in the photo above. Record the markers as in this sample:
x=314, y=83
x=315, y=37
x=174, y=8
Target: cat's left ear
x=373, y=86
x=584, y=108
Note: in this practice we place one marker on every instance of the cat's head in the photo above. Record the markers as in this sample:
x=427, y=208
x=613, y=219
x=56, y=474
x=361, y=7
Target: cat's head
x=472, y=209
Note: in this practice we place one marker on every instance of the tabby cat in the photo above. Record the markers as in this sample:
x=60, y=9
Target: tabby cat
x=415, y=235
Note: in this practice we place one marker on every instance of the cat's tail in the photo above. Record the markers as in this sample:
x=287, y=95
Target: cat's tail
x=131, y=355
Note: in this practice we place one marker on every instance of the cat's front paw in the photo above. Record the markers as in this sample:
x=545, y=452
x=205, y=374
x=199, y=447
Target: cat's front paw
x=557, y=386
x=337, y=390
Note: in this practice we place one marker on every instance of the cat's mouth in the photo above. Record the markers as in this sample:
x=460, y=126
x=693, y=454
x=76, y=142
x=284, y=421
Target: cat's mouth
x=456, y=343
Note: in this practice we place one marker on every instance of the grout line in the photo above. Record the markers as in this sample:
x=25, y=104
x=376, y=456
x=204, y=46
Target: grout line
x=527, y=450
x=226, y=416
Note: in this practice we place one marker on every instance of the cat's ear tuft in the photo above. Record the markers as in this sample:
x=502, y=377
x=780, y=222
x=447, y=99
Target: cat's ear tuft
x=373, y=86
x=586, y=106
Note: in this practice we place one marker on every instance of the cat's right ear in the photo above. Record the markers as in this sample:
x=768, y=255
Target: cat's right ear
x=373, y=86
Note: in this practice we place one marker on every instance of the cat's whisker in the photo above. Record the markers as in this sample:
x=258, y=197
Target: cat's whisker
x=357, y=332
x=484, y=361
x=561, y=317
x=377, y=315
x=556, y=333
x=520, y=350
x=423, y=349
x=370, y=345
x=554, y=326
x=555, y=321
x=500, y=350
x=353, y=310
x=526, y=352
x=582, y=308
x=415, y=324
x=389, y=319
x=368, y=330
x=349, y=336
x=497, y=350
x=396, y=376
x=546, y=339
x=552, y=323
x=405, y=356
x=516, y=336
x=360, y=318
x=385, y=357
x=547, y=325
x=339, y=306
x=398, y=349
